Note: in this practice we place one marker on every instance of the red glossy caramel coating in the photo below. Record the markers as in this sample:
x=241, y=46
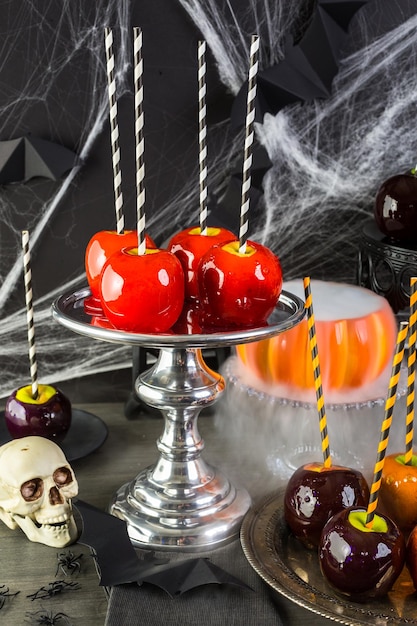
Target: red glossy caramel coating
x=100, y=248
x=142, y=293
x=239, y=289
x=189, y=246
x=314, y=493
x=358, y=564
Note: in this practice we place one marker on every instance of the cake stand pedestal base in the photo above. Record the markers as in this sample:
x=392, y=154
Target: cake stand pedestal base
x=181, y=500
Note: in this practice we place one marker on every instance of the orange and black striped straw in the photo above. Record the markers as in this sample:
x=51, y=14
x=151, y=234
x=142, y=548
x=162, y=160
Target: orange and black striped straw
x=386, y=424
x=327, y=461
x=411, y=371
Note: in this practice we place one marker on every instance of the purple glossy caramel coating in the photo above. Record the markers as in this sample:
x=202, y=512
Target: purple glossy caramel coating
x=311, y=497
x=52, y=419
x=358, y=564
x=395, y=209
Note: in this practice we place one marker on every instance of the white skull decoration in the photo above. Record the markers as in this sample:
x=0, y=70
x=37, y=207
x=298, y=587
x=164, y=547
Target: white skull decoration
x=36, y=487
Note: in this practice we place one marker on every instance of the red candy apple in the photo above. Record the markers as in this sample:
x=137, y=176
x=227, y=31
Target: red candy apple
x=398, y=491
x=189, y=322
x=315, y=492
x=49, y=415
x=100, y=248
x=395, y=209
x=189, y=246
x=239, y=289
x=359, y=562
x=100, y=321
x=142, y=293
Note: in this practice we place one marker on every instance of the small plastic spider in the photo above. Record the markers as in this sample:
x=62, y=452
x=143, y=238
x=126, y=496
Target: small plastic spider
x=4, y=594
x=47, y=618
x=57, y=586
x=68, y=563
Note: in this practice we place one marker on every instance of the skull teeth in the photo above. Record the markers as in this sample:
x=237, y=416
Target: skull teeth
x=53, y=521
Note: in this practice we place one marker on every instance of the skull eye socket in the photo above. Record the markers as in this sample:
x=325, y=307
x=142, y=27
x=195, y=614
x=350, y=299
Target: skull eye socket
x=62, y=476
x=32, y=489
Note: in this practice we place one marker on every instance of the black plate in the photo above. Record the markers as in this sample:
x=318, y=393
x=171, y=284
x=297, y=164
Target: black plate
x=87, y=433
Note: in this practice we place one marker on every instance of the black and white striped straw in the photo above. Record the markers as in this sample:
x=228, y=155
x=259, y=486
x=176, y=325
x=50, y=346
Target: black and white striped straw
x=114, y=130
x=202, y=134
x=139, y=139
x=249, y=139
x=27, y=274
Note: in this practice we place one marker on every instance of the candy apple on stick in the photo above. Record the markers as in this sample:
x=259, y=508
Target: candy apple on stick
x=35, y=409
x=48, y=414
x=239, y=287
x=191, y=244
x=142, y=293
x=359, y=561
x=316, y=491
x=362, y=553
x=104, y=243
x=141, y=288
x=240, y=280
x=398, y=491
x=100, y=248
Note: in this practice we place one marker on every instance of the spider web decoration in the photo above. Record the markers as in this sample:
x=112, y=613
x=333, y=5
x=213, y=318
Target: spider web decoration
x=328, y=157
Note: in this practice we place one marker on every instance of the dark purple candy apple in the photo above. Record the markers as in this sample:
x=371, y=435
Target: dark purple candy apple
x=359, y=562
x=395, y=209
x=411, y=556
x=315, y=492
x=49, y=415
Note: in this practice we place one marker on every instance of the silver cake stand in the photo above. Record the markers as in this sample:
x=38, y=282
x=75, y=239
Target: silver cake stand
x=181, y=501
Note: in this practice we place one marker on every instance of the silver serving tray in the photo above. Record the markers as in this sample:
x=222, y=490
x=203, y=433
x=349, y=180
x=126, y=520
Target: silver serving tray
x=294, y=572
x=69, y=310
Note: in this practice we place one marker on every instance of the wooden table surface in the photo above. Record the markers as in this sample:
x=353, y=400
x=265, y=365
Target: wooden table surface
x=26, y=566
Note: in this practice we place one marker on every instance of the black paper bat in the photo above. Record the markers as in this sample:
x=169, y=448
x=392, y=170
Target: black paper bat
x=27, y=157
x=118, y=562
x=179, y=577
x=115, y=555
x=308, y=68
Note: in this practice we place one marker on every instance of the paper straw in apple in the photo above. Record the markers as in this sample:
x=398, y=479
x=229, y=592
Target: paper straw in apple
x=386, y=424
x=27, y=274
x=139, y=139
x=202, y=134
x=312, y=336
x=249, y=138
x=411, y=370
x=114, y=130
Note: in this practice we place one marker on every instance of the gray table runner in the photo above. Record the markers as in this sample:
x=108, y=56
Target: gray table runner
x=217, y=605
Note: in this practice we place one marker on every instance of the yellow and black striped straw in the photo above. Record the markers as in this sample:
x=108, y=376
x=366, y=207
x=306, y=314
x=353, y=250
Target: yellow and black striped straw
x=312, y=337
x=386, y=424
x=411, y=371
